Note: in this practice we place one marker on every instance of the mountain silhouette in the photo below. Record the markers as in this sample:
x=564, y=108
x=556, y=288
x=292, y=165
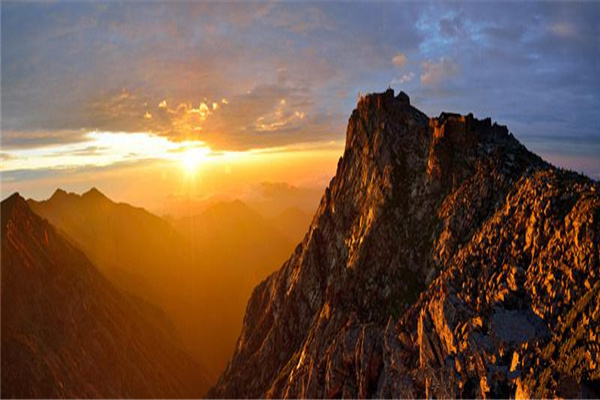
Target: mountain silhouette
x=292, y=222
x=200, y=270
x=117, y=236
x=67, y=331
x=445, y=260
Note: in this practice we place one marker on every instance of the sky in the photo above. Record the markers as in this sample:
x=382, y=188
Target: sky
x=170, y=104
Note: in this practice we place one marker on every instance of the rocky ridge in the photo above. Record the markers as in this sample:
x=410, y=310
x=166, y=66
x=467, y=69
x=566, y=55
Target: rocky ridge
x=445, y=260
x=67, y=332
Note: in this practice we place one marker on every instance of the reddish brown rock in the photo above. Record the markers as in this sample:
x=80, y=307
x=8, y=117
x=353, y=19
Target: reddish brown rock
x=441, y=248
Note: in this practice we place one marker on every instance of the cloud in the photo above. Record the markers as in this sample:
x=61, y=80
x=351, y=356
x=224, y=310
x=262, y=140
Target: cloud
x=277, y=189
x=399, y=60
x=451, y=26
x=268, y=114
x=265, y=115
x=403, y=79
x=89, y=67
x=281, y=195
x=40, y=138
x=434, y=74
x=120, y=110
x=185, y=120
x=283, y=117
x=68, y=68
x=299, y=20
x=5, y=156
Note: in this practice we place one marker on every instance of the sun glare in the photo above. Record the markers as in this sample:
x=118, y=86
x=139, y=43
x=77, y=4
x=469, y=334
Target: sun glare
x=192, y=158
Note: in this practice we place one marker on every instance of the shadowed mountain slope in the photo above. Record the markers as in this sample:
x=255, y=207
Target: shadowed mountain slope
x=199, y=270
x=118, y=237
x=68, y=332
x=445, y=260
x=292, y=222
x=239, y=249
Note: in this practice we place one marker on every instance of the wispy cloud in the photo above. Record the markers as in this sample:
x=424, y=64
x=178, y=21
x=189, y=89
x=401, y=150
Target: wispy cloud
x=399, y=60
x=403, y=79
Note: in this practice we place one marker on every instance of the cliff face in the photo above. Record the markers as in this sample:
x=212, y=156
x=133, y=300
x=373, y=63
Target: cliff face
x=445, y=260
x=67, y=332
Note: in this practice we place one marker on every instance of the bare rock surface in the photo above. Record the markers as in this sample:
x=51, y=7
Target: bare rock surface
x=445, y=260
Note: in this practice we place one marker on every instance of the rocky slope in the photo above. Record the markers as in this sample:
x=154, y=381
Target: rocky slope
x=445, y=260
x=67, y=332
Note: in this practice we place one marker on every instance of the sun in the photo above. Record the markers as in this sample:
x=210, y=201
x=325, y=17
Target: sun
x=192, y=158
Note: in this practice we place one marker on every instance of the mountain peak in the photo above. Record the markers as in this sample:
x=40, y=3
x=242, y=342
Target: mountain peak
x=94, y=193
x=236, y=206
x=379, y=121
x=15, y=210
x=13, y=198
x=12, y=202
x=435, y=240
x=60, y=194
x=403, y=98
x=383, y=100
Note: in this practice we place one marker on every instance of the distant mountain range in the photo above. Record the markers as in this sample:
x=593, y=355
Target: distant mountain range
x=117, y=237
x=199, y=270
x=234, y=248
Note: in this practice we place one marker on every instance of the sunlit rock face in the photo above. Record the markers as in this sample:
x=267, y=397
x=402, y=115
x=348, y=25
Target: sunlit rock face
x=445, y=260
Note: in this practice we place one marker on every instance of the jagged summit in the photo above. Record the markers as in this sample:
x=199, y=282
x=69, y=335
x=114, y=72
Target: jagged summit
x=9, y=205
x=59, y=193
x=93, y=194
x=434, y=260
x=403, y=98
x=13, y=197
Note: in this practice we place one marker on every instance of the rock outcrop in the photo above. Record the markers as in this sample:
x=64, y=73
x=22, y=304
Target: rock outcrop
x=445, y=260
